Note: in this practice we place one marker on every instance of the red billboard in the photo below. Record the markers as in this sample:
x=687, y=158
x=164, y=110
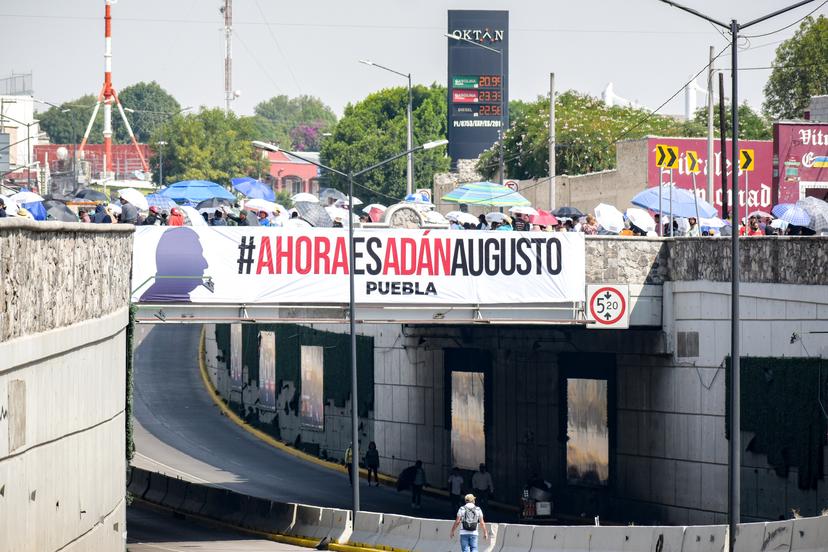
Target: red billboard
x=759, y=181
x=800, y=160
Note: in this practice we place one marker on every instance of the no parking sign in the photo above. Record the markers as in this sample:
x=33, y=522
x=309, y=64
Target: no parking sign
x=608, y=306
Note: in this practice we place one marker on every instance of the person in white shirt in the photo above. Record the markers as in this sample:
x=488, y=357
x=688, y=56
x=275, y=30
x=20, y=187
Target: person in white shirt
x=482, y=485
x=469, y=517
x=455, y=488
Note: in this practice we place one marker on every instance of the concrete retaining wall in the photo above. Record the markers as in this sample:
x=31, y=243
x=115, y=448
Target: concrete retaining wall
x=63, y=311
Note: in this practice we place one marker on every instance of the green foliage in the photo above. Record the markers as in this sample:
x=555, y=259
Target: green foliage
x=375, y=129
x=585, y=129
x=68, y=128
x=278, y=119
x=152, y=106
x=780, y=404
x=800, y=71
x=752, y=125
x=208, y=145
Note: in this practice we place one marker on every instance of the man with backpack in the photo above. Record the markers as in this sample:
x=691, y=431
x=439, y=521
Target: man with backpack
x=469, y=516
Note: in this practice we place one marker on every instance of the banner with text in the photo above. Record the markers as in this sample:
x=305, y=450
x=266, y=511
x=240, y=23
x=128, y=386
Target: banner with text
x=275, y=265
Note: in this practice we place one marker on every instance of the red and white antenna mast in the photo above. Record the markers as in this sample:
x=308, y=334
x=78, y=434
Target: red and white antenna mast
x=108, y=96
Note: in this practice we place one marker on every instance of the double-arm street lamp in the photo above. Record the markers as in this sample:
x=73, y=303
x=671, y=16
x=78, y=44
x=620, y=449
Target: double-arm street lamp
x=735, y=452
x=409, y=181
x=351, y=306
x=502, y=129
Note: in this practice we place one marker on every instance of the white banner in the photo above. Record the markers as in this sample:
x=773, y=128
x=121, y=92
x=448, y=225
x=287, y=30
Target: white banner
x=238, y=265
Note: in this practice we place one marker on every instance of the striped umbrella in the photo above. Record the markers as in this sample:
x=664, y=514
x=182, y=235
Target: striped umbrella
x=163, y=203
x=485, y=193
x=792, y=214
x=817, y=209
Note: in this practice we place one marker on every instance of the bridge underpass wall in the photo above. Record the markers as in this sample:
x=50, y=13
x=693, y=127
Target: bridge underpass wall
x=64, y=292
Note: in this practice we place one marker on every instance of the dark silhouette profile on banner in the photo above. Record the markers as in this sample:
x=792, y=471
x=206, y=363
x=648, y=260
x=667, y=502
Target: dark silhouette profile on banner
x=179, y=267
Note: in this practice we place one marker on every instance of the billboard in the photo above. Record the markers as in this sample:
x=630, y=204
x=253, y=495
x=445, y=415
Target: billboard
x=267, y=370
x=478, y=83
x=759, y=181
x=312, y=408
x=800, y=160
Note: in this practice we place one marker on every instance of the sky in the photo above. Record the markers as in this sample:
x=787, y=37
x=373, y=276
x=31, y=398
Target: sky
x=646, y=48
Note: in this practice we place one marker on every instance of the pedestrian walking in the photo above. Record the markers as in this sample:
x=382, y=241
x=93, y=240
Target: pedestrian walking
x=455, y=488
x=349, y=462
x=482, y=486
x=372, y=462
x=417, y=485
x=468, y=518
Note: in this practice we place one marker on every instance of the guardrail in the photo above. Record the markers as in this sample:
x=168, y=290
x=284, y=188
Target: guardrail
x=334, y=529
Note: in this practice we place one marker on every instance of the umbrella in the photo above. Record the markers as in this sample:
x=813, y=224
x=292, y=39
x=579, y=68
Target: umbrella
x=253, y=189
x=134, y=197
x=192, y=216
x=314, y=214
x=524, y=210
x=262, y=205
x=684, y=202
x=376, y=214
x=331, y=195
x=419, y=197
x=195, y=191
x=760, y=214
x=817, y=209
x=114, y=208
x=11, y=206
x=495, y=217
x=89, y=194
x=339, y=213
x=568, y=212
x=609, y=218
x=163, y=203
x=371, y=206
x=792, y=214
x=26, y=197
x=467, y=218
x=544, y=218
x=485, y=193
x=214, y=203
x=641, y=219
x=57, y=210
x=297, y=223
x=344, y=202
x=304, y=196
x=37, y=210
x=712, y=222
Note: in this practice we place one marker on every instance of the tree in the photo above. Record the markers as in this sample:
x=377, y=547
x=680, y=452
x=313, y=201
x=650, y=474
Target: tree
x=586, y=131
x=752, y=125
x=287, y=121
x=209, y=145
x=375, y=129
x=152, y=106
x=800, y=71
x=66, y=124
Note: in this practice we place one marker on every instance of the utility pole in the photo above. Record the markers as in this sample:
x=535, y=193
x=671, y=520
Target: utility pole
x=710, y=164
x=723, y=138
x=552, y=160
x=227, y=10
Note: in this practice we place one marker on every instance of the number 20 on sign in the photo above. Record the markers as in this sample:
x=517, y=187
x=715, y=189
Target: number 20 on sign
x=608, y=306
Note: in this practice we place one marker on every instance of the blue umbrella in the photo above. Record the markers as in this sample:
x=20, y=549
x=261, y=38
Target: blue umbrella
x=163, y=203
x=792, y=214
x=194, y=191
x=485, y=193
x=37, y=210
x=684, y=202
x=253, y=189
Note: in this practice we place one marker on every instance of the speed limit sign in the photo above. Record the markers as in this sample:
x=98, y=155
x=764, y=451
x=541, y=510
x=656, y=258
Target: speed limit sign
x=608, y=306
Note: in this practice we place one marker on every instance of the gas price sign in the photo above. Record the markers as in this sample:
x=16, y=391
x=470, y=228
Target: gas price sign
x=478, y=91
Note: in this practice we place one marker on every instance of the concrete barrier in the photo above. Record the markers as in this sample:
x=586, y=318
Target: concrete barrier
x=217, y=504
x=195, y=499
x=704, y=538
x=399, y=532
x=810, y=534
x=666, y=539
x=308, y=523
x=569, y=538
x=434, y=537
x=176, y=493
x=340, y=522
x=157, y=488
x=138, y=482
x=778, y=536
x=367, y=527
x=514, y=538
x=280, y=519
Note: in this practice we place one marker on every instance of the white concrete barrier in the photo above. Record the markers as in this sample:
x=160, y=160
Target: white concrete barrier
x=666, y=539
x=434, y=536
x=704, y=538
x=514, y=538
x=340, y=524
x=308, y=523
x=622, y=539
x=568, y=538
x=749, y=537
x=399, y=532
x=367, y=528
x=778, y=536
x=810, y=534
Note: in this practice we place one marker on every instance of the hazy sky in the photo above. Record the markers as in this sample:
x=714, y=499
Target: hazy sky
x=646, y=48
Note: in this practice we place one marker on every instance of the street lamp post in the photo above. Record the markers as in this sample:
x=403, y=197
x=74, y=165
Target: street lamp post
x=501, y=130
x=409, y=182
x=161, y=145
x=735, y=452
x=351, y=284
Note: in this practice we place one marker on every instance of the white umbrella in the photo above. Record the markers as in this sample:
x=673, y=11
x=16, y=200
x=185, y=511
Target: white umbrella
x=468, y=218
x=11, y=206
x=193, y=216
x=641, y=219
x=297, y=223
x=263, y=205
x=609, y=218
x=380, y=206
x=26, y=197
x=339, y=213
x=495, y=217
x=524, y=210
x=134, y=197
x=344, y=202
x=306, y=197
x=116, y=209
x=712, y=222
x=760, y=214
